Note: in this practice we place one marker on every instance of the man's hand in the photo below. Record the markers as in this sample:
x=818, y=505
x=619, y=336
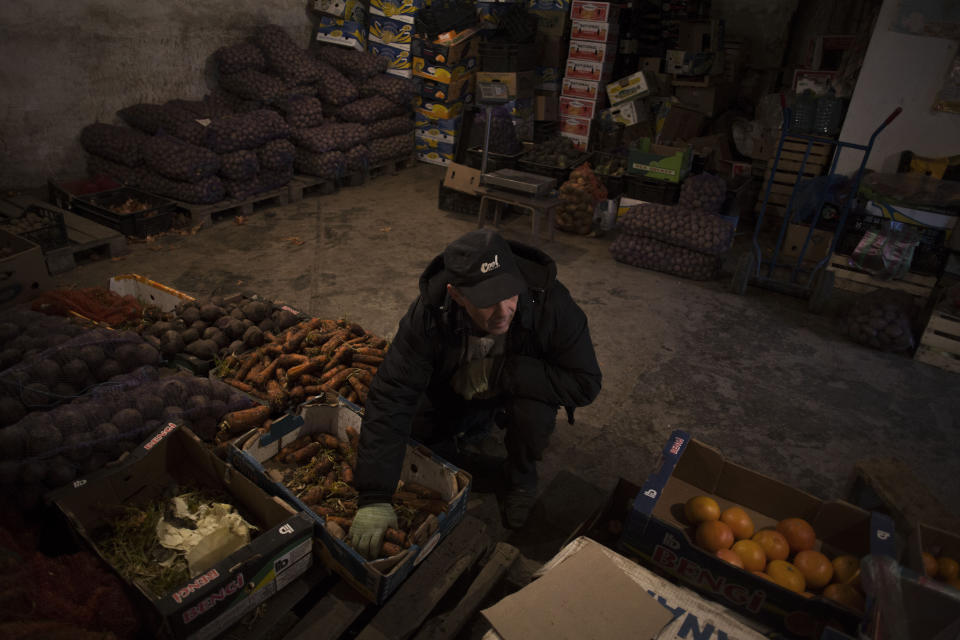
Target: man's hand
x=369, y=525
x=475, y=377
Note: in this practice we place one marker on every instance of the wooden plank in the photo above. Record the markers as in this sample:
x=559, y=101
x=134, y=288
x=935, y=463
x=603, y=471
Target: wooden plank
x=331, y=616
x=273, y=610
x=412, y=603
x=780, y=188
x=937, y=359
x=778, y=198
x=796, y=145
x=940, y=342
x=785, y=177
x=792, y=166
x=812, y=160
x=448, y=625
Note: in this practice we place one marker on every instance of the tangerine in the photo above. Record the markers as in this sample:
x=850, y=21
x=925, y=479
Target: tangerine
x=798, y=532
x=775, y=546
x=714, y=535
x=930, y=564
x=739, y=520
x=845, y=567
x=752, y=555
x=947, y=568
x=701, y=509
x=955, y=583
x=786, y=575
x=845, y=595
x=727, y=555
x=816, y=568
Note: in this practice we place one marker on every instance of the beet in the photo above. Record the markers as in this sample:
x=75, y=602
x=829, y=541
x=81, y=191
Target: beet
x=223, y=323
x=36, y=395
x=77, y=446
x=171, y=344
x=11, y=410
x=147, y=354
x=188, y=336
x=46, y=371
x=253, y=337
x=235, y=329
x=105, y=436
x=33, y=471
x=8, y=331
x=200, y=326
x=236, y=313
x=77, y=373
x=126, y=355
x=108, y=369
x=210, y=312
x=42, y=438
x=149, y=405
x=204, y=349
x=59, y=472
x=190, y=315
x=9, y=357
x=64, y=391
x=267, y=325
x=13, y=442
x=283, y=319
x=173, y=392
x=235, y=347
x=173, y=414
x=93, y=356
x=70, y=420
x=127, y=420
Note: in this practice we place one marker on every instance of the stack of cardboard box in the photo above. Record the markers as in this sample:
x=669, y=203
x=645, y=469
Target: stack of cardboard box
x=343, y=22
x=553, y=23
x=593, y=46
x=446, y=71
x=391, y=33
x=697, y=66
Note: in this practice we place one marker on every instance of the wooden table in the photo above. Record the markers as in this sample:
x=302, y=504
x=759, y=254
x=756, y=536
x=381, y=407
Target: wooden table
x=536, y=206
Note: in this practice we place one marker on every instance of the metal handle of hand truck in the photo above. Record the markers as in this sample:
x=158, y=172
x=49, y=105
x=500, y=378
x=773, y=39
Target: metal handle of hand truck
x=892, y=117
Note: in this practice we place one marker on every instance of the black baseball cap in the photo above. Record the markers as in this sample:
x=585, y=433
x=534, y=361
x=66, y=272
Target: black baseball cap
x=482, y=267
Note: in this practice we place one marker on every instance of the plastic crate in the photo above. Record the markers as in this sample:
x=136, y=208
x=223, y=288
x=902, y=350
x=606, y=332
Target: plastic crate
x=495, y=161
x=560, y=174
x=543, y=130
x=929, y=257
x=614, y=184
x=651, y=190
x=63, y=192
x=40, y=223
x=156, y=218
x=503, y=56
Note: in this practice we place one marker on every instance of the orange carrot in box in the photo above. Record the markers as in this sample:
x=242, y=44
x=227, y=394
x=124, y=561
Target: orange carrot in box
x=436, y=507
x=395, y=536
x=329, y=441
x=310, y=365
x=253, y=372
x=297, y=394
x=338, y=380
x=245, y=366
x=304, y=454
x=289, y=360
x=320, y=510
x=390, y=549
x=312, y=390
x=244, y=420
x=343, y=522
x=302, y=441
x=363, y=366
x=346, y=473
x=323, y=466
x=359, y=357
x=357, y=383
x=330, y=373
x=265, y=374
x=351, y=396
x=313, y=495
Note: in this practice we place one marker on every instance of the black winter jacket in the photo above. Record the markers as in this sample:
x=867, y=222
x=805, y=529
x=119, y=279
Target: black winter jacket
x=549, y=358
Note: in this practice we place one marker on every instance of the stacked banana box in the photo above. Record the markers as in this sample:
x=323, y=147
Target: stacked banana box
x=593, y=47
x=342, y=22
x=391, y=27
x=446, y=73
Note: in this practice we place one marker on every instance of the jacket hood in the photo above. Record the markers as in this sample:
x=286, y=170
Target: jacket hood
x=537, y=268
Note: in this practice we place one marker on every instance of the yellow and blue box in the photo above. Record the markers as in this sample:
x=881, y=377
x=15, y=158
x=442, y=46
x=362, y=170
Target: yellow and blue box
x=443, y=73
x=352, y=10
x=443, y=92
x=435, y=157
x=439, y=110
x=448, y=50
x=391, y=31
x=399, y=59
x=342, y=32
x=547, y=78
x=439, y=129
x=403, y=10
x=549, y=5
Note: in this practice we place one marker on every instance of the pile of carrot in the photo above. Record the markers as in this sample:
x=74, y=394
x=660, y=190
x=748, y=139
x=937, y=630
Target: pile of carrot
x=318, y=469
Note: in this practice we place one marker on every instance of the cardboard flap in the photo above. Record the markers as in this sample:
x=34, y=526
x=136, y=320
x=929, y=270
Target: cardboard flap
x=646, y=500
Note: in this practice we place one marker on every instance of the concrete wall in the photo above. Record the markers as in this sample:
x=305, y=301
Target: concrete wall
x=763, y=24
x=64, y=65
x=906, y=71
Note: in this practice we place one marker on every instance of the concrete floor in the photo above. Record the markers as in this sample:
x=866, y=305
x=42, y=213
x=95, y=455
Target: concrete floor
x=771, y=385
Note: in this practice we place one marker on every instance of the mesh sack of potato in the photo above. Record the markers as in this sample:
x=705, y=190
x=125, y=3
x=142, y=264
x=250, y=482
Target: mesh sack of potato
x=660, y=256
x=131, y=176
x=580, y=195
x=225, y=103
x=263, y=181
x=692, y=229
x=390, y=148
x=370, y=109
x=357, y=158
x=331, y=164
x=206, y=191
x=246, y=130
x=170, y=118
x=390, y=127
x=240, y=57
x=883, y=320
x=276, y=155
x=703, y=192
x=179, y=160
x=253, y=85
x=115, y=143
x=284, y=57
x=360, y=64
x=393, y=88
x=297, y=90
x=302, y=112
x=239, y=165
x=333, y=87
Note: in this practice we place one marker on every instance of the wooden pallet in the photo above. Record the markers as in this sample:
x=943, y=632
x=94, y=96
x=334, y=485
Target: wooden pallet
x=850, y=278
x=940, y=342
x=353, y=179
x=303, y=185
x=86, y=238
x=789, y=172
x=205, y=215
x=390, y=167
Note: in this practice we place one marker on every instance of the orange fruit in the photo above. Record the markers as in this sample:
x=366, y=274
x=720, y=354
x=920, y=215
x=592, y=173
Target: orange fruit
x=955, y=583
x=845, y=567
x=845, y=595
x=728, y=555
x=775, y=546
x=947, y=568
x=739, y=520
x=798, y=532
x=786, y=575
x=930, y=564
x=701, y=509
x=816, y=568
x=752, y=555
x=762, y=575
x=714, y=535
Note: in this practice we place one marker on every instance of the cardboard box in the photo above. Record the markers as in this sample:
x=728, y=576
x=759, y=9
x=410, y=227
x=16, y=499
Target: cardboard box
x=591, y=51
x=548, y=78
x=398, y=9
x=562, y=6
x=443, y=92
x=227, y=589
x=594, y=11
x=580, y=143
x=551, y=51
x=688, y=63
x=441, y=129
x=575, y=126
x=448, y=52
x=396, y=33
x=698, y=36
x=547, y=106
x=519, y=83
x=633, y=86
x=671, y=164
x=353, y=10
x=593, y=31
x=443, y=73
x=342, y=32
x=377, y=579
x=680, y=124
x=24, y=271
x=650, y=65
x=817, y=250
x=440, y=110
x=654, y=532
x=709, y=101
x=552, y=23
x=398, y=58
x=462, y=178
x=629, y=113
x=435, y=157
x=577, y=107
x=585, y=70
x=427, y=144
x=580, y=89
x=148, y=291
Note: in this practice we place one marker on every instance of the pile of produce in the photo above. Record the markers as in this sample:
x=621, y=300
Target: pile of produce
x=239, y=165
x=318, y=469
x=648, y=253
x=703, y=193
x=398, y=146
x=557, y=152
x=882, y=320
x=612, y=165
x=178, y=160
x=677, y=225
x=113, y=143
x=240, y=57
x=580, y=195
x=171, y=118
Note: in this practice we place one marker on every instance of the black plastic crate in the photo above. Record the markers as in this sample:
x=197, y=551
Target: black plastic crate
x=506, y=56
x=40, y=223
x=457, y=202
x=543, y=130
x=613, y=183
x=651, y=190
x=64, y=192
x=156, y=217
x=495, y=161
x=560, y=174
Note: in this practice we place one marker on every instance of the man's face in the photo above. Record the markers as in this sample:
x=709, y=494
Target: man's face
x=494, y=319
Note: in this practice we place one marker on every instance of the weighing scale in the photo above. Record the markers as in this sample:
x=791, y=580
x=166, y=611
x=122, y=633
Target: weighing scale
x=493, y=94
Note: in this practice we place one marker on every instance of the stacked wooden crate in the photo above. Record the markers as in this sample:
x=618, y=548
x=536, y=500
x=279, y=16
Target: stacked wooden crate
x=789, y=172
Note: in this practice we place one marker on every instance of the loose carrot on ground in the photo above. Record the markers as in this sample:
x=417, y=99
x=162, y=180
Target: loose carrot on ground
x=306, y=379
x=304, y=454
x=295, y=337
x=269, y=336
x=241, y=421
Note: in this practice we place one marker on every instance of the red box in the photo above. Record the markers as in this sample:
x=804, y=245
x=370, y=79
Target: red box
x=575, y=126
x=580, y=143
x=576, y=88
x=577, y=107
x=594, y=11
x=585, y=70
x=593, y=31
x=591, y=51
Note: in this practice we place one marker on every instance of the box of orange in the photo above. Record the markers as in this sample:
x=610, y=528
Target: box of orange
x=595, y=11
x=576, y=88
x=591, y=51
x=595, y=31
x=780, y=520
x=577, y=107
x=587, y=70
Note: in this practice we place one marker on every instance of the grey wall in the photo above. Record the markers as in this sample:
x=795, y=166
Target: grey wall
x=66, y=64
x=764, y=25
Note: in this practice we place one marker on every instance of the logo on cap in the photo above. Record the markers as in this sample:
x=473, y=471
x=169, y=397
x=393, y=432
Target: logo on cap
x=487, y=267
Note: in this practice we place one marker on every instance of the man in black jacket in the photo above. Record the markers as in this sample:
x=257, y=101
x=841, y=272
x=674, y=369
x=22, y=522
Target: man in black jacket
x=493, y=336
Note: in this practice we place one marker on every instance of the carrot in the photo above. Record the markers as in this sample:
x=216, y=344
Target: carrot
x=335, y=530
x=343, y=522
x=357, y=383
x=295, y=337
x=355, y=329
x=341, y=355
x=269, y=336
x=302, y=441
x=307, y=379
x=330, y=373
x=303, y=454
x=277, y=396
x=390, y=549
x=289, y=360
x=265, y=427
x=338, y=380
x=239, y=385
x=335, y=341
x=265, y=374
x=422, y=491
x=436, y=507
x=297, y=394
x=352, y=433
x=309, y=365
x=323, y=466
x=313, y=495
x=313, y=390
x=363, y=366
x=242, y=421
x=330, y=480
x=377, y=343
x=346, y=473
x=273, y=350
x=342, y=490
x=395, y=536
x=329, y=441
x=245, y=366
x=351, y=396
x=367, y=359
x=404, y=496
x=253, y=372
x=369, y=351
